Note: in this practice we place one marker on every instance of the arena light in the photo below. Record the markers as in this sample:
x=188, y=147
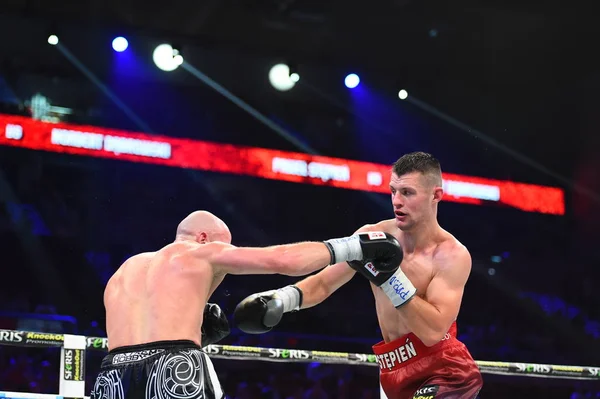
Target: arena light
x=281, y=79
x=53, y=40
x=352, y=80
x=120, y=44
x=402, y=94
x=167, y=58
x=19, y=131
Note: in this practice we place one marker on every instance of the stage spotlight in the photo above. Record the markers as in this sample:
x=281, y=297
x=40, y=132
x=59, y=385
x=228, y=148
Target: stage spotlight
x=402, y=94
x=53, y=40
x=281, y=79
x=167, y=58
x=120, y=44
x=352, y=81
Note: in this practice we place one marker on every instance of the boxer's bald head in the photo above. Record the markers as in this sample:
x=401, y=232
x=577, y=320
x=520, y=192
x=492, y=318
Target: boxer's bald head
x=203, y=227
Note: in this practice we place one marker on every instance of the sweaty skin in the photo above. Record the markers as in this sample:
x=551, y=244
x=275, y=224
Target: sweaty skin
x=161, y=295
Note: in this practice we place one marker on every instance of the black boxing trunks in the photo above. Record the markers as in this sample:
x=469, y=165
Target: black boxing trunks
x=157, y=370
x=411, y=370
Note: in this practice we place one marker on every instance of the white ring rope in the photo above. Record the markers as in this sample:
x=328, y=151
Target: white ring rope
x=28, y=395
x=73, y=348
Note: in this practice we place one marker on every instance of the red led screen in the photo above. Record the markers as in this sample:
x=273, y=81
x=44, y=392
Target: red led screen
x=99, y=142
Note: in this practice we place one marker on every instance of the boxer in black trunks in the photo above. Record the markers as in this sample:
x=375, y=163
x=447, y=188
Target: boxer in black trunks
x=156, y=304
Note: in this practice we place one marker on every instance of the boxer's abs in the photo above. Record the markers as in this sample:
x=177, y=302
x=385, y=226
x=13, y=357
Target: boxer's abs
x=419, y=270
x=152, y=299
x=392, y=327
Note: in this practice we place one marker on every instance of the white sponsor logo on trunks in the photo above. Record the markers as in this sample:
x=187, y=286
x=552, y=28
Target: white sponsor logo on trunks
x=129, y=357
x=399, y=355
x=426, y=390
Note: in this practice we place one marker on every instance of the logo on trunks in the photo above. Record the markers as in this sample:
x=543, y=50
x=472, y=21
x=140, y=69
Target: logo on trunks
x=399, y=355
x=288, y=354
x=399, y=287
x=131, y=357
x=426, y=392
x=371, y=268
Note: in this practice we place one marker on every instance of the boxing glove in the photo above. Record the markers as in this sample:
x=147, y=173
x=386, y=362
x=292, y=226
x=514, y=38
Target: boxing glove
x=215, y=326
x=370, y=246
x=259, y=313
x=394, y=283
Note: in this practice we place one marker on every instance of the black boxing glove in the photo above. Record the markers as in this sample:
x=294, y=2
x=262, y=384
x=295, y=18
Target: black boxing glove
x=371, y=246
x=390, y=278
x=215, y=326
x=259, y=313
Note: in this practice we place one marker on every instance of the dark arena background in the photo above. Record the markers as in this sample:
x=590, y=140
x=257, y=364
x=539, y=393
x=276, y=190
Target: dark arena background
x=283, y=117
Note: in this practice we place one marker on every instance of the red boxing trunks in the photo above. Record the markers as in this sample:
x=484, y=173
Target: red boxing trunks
x=411, y=370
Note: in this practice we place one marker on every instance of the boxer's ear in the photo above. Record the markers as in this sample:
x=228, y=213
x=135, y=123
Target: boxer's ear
x=202, y=238
x=438, y=193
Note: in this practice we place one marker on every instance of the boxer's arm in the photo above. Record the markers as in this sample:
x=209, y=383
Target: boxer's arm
x=316, y=288
x=430, y=318
x=297, y=259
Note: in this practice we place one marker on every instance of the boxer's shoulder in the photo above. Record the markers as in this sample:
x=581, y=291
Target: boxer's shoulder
x=387, y=226
x=450, y=248
x=203, y=251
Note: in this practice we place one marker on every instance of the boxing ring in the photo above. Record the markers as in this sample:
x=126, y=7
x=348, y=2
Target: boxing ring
x=73, y=350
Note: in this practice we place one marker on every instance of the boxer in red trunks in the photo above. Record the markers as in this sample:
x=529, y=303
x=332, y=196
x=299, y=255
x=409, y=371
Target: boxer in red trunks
x=417, y=304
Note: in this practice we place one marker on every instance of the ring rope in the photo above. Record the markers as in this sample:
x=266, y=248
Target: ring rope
x=29, y=395
x=49, y=340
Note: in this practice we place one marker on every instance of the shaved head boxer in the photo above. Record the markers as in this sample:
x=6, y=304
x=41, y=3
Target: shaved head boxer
x=157, y=316
x=417, y=304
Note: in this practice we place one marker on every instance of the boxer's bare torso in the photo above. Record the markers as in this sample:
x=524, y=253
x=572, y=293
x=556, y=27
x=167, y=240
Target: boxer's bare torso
x=419, y=266
x=160, y=295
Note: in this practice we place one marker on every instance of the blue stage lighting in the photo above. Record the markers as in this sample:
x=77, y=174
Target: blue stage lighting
x=120, y=44
x=352, y=81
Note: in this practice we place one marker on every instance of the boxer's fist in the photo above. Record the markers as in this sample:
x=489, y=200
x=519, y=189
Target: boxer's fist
x=370, y=246
x=259, y=313
x=215, y=326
